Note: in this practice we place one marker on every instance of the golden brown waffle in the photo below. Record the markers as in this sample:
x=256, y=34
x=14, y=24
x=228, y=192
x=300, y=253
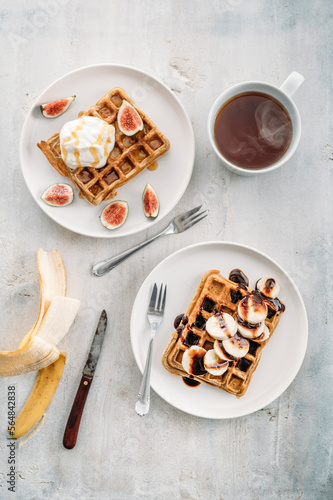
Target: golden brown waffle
x=216, y=293
x=129, y=157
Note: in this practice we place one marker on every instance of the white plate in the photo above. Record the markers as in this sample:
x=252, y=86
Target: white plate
x=169, y=180
x=281, y=358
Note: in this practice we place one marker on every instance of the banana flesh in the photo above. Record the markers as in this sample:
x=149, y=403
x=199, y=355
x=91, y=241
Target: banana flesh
x=35, y=355
x=37, y=350
x=40, y=351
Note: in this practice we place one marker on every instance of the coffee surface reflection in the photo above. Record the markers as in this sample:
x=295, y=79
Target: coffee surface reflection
x=252, y=130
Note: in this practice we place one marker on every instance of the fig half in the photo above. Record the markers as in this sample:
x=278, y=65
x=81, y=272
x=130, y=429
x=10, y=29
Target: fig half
x=56, y=108
x=58, y=195
x=114, y=214
x=150, y=202
x=129, y=120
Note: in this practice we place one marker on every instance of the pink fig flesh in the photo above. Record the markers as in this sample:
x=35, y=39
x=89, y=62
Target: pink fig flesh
x=114, y=214
x=129, y=120
x=58, y=195
x=56, y=108
x=150, y=200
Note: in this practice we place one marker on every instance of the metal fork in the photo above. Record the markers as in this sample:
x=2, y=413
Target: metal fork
x=177, y=225
x=155, y=316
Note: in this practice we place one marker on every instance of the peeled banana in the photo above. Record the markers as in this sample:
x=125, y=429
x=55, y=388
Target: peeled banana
x=38, y=350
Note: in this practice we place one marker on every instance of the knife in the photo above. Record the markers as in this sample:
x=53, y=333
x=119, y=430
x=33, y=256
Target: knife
x=73, y=423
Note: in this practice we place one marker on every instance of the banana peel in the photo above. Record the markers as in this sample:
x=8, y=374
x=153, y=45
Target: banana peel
x=41, y=396
x=37, y=350
x=52, y=282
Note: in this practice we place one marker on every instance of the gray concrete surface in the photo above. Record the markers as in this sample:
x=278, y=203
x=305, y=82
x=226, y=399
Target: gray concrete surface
x=196, y=48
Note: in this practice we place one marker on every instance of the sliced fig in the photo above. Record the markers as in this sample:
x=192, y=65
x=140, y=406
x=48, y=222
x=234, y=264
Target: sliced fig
x=56, y=108
x=129, y=120
x=58, y=195
x=114, y=214
x=151, y=204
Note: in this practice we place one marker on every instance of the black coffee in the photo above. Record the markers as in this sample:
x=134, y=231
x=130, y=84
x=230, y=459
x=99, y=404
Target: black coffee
x=252, y=130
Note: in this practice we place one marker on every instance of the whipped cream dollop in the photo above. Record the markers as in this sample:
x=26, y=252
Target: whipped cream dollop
x=221, y=326
x=268, y=287
x=86, y=142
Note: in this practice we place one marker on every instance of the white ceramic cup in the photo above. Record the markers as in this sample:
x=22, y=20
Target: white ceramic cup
x=281, y=94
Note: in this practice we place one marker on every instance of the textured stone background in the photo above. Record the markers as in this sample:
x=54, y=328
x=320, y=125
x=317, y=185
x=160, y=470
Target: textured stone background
x=198, y=49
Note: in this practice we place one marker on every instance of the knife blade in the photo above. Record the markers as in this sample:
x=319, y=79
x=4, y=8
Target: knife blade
x=73, y=422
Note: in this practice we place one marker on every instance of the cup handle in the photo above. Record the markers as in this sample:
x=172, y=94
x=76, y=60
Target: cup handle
x=291, y=84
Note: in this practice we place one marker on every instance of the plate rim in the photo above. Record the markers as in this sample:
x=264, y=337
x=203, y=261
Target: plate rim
x=295, y=289
x=191, y=147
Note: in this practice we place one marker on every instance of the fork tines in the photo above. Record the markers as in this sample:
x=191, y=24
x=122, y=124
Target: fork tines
x=187, y=214
x=193, y=219
x=157, y=302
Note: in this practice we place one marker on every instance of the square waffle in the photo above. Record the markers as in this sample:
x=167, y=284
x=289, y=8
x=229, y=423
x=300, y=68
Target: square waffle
x=216, y=293
x=130, y=155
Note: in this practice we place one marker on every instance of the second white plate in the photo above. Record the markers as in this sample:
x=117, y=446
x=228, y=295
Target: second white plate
x=89, y=84
x=281, y=358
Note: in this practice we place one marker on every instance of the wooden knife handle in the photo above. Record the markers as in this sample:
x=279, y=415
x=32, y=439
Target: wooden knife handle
x=73, y=422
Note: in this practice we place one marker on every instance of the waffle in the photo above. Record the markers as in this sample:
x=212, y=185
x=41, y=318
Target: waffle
x=216, y=293
x=130, y=155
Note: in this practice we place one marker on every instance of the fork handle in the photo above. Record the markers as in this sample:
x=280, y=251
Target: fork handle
x=107, y=265
x=143, y=401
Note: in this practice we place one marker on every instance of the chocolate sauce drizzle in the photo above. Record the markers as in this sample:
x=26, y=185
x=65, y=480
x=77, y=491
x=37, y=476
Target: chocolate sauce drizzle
x=274, y=304
x=197, y=366
x=223, y=324
x=246, y=324
x=178, y=320
x=237, y=276
x=208, y=305
x=190, y=382
x=190, y=339
x=179, y=323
